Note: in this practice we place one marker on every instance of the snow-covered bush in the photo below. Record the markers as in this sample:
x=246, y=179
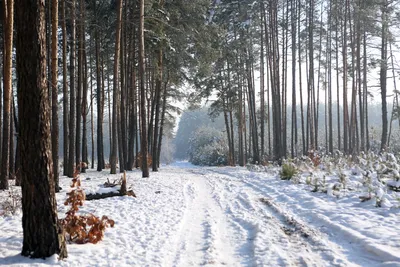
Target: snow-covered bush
x=11, y=204
x=209, y=147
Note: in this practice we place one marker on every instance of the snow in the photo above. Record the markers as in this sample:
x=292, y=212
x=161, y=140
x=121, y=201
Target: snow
x=224, y=216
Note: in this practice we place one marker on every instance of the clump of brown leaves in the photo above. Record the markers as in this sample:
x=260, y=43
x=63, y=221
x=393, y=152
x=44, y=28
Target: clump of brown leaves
x=139, y=160
x=314, y=157
x=82, y=229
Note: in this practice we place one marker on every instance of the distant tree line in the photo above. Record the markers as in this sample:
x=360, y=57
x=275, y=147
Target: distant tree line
x=272, y=54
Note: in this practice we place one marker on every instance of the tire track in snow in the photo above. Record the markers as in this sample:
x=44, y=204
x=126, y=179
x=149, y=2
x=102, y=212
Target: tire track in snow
x=203, y=238
x=374, y=255
x=286, y=241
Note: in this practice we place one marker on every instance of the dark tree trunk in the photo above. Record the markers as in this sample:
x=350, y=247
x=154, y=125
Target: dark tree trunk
x=72, y=108
x=100, y=106
x=8, y=16
x=123, y=106
x=133, y=106
x=54, y=91
x=143, y=139
x=293, y=14
x=78, y=137
x=383, y=75
x=262, y=87
x=17, y=151
x=114, y=143
x=84, y=90
x=42, y=237
x=157, y=110
x=164, y=108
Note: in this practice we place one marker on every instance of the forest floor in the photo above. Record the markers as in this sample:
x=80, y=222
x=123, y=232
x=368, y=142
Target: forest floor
x=222, y=216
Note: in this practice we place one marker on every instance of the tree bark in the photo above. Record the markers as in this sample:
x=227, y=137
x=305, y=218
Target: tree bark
x=8, y=13
x=100, y=104
x=42, y=237
x=54, y=91
x=65, y=90
x=72, y=119
x=143, y=136
x=383, y=75
x=84, y=110
x=114, y=146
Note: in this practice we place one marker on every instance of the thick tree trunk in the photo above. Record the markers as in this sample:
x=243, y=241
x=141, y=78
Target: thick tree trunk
x=42, y=237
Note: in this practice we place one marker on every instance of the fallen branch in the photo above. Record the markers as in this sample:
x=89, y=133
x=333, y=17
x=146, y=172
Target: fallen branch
x=110, y=194
x=121, y=192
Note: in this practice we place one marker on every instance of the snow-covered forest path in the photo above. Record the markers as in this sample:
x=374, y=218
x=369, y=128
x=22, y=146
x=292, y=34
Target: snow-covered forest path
x=227, y=222
x=202, y=216
x=231, y=220
x=205, y=236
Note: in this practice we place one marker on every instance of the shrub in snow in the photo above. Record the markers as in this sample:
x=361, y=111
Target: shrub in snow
x=208, y=147
x=288, y=171
x=11, y=204
x=382, y=199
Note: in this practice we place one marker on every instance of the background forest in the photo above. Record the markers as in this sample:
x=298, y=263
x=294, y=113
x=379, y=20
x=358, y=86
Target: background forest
x=284, y=77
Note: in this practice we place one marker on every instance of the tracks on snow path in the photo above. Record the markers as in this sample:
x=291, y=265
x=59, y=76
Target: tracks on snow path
x=205, y=234
x=228, y=222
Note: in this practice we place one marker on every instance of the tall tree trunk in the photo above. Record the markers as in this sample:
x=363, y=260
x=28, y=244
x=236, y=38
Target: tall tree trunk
x=329, y=68
x=91, y=108
x=114, y=147
x=337, y=77
x=72, y=107
x=54, y=91
x=157, y=96
x=42, y=234
x=8, y=16
x=262, y=88
x=122, y=125
x=78, y=137
x=143, y=135
x=132, y=102
x=383, y=74
x=17, y=152
x=164, y=109
x=65, y=90
x=303, y=134
x=100, y=103
x=345, y=69
x=293, y=13
x=365, y=89
x=84, y=110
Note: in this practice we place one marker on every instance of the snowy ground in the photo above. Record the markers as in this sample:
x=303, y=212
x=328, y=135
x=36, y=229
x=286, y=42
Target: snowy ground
x=224, y=216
